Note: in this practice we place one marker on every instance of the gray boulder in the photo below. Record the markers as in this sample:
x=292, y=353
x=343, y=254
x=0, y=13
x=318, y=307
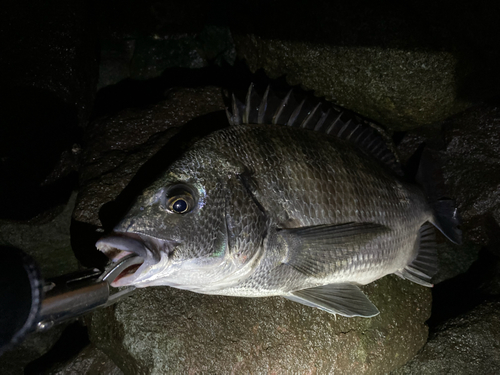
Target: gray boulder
x=402, y=66
x=471, y=158
x=468, y=344
x=164, y=330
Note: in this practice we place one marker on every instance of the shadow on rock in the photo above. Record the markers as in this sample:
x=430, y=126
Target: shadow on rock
x=36, y=140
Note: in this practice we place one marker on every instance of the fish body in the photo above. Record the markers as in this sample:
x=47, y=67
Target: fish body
x=261, y=209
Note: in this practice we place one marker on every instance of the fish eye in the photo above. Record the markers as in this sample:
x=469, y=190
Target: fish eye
x=180, y=199
x=179, y=206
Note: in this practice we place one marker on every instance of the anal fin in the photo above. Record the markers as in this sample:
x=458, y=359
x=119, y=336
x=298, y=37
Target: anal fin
x=342, y=299
x=424, y=266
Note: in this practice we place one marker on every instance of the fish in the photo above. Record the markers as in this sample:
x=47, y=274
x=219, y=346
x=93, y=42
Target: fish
x=302, y=200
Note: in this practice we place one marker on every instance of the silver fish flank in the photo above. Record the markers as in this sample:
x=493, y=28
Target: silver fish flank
x=290, y=200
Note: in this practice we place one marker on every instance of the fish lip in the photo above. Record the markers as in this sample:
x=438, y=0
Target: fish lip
x=118, y=245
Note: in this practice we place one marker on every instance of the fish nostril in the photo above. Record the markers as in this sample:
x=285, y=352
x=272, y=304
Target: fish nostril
x=130, y=224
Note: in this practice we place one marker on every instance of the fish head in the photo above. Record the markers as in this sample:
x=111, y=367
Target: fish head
x=182, y=227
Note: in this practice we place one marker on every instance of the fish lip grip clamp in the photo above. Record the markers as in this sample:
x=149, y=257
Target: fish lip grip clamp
x=28, y=303
x=76, y=294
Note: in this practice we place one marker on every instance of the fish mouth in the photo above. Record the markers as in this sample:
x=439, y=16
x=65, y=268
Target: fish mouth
x=119, y=245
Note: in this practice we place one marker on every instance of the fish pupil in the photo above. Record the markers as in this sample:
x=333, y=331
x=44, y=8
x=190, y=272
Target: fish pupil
x=180, y=206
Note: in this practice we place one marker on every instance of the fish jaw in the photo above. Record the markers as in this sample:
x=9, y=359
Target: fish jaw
x=154, y=253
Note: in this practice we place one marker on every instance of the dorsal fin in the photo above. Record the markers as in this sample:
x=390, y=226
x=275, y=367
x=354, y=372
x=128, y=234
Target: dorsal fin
x=315, y=115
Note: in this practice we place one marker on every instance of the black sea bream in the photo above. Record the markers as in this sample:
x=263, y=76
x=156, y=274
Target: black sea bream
x=307, y=210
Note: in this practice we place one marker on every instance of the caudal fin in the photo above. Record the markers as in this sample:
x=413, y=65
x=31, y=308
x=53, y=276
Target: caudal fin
x=446, y=217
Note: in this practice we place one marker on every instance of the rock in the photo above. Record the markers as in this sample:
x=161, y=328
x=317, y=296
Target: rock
x=150, y=38
x=90, y=361
x=390, y=86
x=162, y=329
x=45, y=238
x=115, y=61
x=468, y=150
x=13, y=362
x=468, y=147
x=375, y=60
x=454, y=259
x=468, y=344
x=471, y=164
x=148, y=57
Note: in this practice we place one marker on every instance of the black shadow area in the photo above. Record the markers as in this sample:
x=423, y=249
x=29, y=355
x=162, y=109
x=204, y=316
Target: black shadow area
x=37, y=127
x=72, y=341
x=131, y=93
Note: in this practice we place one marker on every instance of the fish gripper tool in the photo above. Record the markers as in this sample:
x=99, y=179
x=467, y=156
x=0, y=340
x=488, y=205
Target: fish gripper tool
x=29, y=303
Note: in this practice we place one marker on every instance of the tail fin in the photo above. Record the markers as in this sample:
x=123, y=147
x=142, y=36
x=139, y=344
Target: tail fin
x=446, y=217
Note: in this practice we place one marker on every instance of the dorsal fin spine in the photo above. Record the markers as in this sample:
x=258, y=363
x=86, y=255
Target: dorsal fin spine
x=343, y=128
x=333, y=123
x=263, y=107
x=236, y=112
x=360, y=135
x=322, y=120
x=248, y=106
x=354, y=131
x=282, y=105
x=309, y=115
x=229, y=117
x=295, y=113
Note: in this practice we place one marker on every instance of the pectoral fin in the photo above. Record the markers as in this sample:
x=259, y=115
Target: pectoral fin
x=324, y=248
x=343, y=299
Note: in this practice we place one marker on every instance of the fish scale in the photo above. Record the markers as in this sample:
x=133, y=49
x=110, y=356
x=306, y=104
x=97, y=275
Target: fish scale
x=285, y=210
x=380, y=199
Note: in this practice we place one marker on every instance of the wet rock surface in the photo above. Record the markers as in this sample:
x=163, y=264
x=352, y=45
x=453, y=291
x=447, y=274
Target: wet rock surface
x=165, y=330
x=468, y=344
x=373, y=87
